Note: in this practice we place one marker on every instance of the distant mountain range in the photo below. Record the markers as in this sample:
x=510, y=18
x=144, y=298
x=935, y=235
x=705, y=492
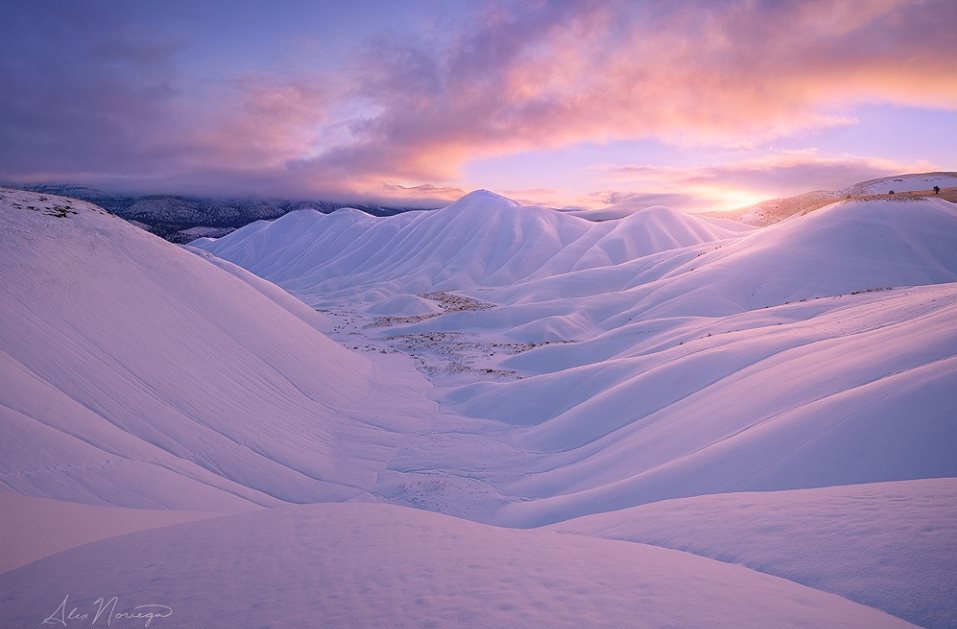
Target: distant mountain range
x=181, y=219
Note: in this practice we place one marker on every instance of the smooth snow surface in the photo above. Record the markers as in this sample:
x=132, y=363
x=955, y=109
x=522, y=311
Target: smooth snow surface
x=125, y=357
x=481, y=240
x=33, y=528
x=889, y=545
x=384, y=566
x=638, y=379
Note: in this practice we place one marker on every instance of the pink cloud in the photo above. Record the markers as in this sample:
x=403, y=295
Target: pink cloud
x=713, y=73
x=112, y=103
x=267, y=122
x=734, y=184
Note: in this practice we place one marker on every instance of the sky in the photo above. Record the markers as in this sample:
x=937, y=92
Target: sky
x=699, y=105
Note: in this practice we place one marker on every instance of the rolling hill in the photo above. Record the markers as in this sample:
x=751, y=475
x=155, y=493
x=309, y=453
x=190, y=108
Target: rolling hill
x=681, y=400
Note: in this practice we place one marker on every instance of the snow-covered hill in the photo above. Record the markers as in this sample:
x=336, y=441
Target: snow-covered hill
x=904, y=183
x=695, y=352
x=776, y=210
x=481, y=240
x=137, y=374
x=627, y=379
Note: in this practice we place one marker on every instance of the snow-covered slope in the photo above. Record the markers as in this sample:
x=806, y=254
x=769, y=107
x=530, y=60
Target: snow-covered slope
x=771, y=400
x=33, y=528
x=381, y=566
x=777, y=210
x=889, y=545
x=904, y=183
x=577, y=369
x=701, y=362
x=136, y=374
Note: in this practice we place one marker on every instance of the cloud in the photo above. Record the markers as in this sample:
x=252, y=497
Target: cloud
x=83, y=92
x=270, y=121
x=92, y=96
x=622, y=200
x=727, y=73
x=424, y=195
x=735, y=184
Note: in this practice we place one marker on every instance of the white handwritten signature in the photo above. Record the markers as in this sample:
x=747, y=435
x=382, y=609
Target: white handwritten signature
x=105, y=609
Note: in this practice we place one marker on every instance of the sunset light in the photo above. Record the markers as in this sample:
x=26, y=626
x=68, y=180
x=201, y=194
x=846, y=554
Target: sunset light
x=478, y=314
x=323, y=99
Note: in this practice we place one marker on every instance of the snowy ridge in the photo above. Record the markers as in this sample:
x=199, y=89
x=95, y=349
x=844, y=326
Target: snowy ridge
x=777, y=210
x=904, y=183
x=481, y=240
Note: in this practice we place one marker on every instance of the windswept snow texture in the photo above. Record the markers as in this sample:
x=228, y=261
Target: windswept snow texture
x=632, y=379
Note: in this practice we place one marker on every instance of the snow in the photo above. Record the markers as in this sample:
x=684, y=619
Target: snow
x=161, y=381
x=481, y=240
x=33, y=528
x=888, y=545
x=636, y=379
x=743, y=408
x=404, y=305
x=348, y=565
x=905, y=183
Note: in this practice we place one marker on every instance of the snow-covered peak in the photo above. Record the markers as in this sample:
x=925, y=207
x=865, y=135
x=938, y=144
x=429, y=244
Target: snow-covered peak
x=483, y=200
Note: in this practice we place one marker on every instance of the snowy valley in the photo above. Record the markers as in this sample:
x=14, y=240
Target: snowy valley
x=485, y=415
